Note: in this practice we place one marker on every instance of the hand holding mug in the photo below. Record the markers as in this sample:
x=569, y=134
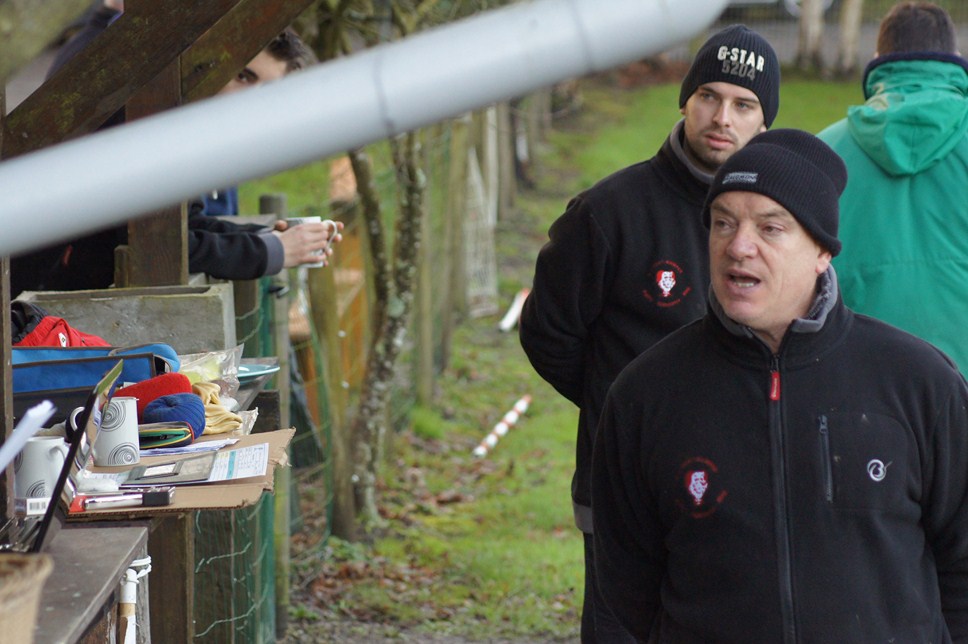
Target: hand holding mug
x=308, y=241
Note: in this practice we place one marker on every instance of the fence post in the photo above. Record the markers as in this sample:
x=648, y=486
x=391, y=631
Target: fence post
x=455, y=301
x=505, y=176
x=275, y=204
x=424, y=312
x=340, y=316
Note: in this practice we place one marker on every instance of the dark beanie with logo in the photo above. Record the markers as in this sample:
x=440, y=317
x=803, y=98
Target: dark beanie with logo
x=740, y=56
x=795, y=169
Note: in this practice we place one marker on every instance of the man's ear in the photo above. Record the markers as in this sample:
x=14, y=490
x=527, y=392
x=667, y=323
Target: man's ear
x=823, y=261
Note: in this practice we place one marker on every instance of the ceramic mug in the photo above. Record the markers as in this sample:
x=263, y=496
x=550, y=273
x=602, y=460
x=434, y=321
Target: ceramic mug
x=38, y=465
x=333, y=231
x=117, y=440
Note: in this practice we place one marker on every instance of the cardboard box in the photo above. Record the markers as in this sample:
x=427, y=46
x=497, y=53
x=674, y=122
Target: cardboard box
x=227, y=495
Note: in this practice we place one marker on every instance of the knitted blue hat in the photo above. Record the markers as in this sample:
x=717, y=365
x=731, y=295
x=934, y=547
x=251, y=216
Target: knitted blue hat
x=184, y=407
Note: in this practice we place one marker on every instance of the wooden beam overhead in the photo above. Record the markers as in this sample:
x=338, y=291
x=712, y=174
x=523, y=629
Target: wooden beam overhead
x=89, y=88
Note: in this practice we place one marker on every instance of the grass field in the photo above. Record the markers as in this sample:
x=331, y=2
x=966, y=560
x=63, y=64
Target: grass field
x=485, y=549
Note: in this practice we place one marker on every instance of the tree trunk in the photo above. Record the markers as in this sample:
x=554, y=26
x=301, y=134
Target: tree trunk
x=393, y=318
x=847, y=56
x=809, y=57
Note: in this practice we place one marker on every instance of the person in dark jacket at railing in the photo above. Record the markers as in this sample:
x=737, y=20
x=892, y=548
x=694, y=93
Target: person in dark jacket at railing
x=220, y=249
x=783, y=470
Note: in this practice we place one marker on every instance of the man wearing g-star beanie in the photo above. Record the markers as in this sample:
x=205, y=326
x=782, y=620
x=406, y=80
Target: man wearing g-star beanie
x=627, y=263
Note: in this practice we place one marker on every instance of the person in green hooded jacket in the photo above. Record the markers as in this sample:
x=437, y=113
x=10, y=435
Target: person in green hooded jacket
x=904, y=213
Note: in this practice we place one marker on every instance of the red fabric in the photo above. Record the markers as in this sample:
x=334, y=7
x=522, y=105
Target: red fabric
x=154, y=388
x=53, y=331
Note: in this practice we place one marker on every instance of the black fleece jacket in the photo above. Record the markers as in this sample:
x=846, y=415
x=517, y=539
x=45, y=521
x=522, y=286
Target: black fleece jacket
x=626, y=264
x=815, y=495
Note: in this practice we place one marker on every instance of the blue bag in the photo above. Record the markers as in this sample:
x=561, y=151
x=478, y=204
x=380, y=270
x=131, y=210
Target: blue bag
x=48, y=369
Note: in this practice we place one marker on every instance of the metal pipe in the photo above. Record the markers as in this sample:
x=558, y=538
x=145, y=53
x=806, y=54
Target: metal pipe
x=111, y=176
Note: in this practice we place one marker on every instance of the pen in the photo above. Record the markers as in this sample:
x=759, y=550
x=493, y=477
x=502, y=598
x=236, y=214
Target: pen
x=149, y=498
x=113, y=501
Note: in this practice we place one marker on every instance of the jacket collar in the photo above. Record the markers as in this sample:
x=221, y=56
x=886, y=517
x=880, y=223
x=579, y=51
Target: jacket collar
x=675, y=144
x=827, y=313
x=908, y=56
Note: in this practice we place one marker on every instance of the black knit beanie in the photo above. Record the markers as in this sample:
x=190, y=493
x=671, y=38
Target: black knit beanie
x=740, y=56
x=798, y=171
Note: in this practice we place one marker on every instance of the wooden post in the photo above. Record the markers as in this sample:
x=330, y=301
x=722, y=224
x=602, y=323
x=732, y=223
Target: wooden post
x=342, y=329
x=455, y=296
x=505, y=176
x=157, y=249
x=424, y=367
x=6, y=396
x=6, y=400
x=171, y=546
x=276, y=204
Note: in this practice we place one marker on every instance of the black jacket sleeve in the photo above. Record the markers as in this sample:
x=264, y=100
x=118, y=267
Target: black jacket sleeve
x=630, y=559
x=226, y=250
x=946, y=510
x=566, y=299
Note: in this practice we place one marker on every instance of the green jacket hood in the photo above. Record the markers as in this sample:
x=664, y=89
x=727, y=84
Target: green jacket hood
x=916, y=111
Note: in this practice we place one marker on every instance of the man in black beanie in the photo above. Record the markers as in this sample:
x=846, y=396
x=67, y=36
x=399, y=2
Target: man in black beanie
x=783, y=470
x=626, y=263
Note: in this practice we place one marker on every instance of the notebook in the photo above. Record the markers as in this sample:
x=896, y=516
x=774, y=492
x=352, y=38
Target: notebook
x=34, y=533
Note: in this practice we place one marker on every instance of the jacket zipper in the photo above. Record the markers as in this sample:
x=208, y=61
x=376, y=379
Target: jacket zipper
x=828, y=483
x=775, y=378
x=784, y=557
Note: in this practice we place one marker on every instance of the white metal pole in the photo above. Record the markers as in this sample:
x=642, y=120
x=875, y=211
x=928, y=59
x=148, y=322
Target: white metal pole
x=114, y=175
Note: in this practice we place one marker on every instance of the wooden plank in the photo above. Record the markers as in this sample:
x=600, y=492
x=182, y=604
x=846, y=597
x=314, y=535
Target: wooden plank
x=267, y=403
x=171, y=546
x=219, y=54
x=157, y=250
x=35, y=26
x=89, y=563
x=6, y=384
x=93, y=85
x=6, y=396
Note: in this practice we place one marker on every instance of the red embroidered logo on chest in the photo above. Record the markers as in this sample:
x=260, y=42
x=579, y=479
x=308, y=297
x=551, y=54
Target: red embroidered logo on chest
x=702, y=492
x=666, y=286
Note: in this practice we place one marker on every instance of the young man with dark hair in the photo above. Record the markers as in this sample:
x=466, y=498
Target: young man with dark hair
x=783, y=470
x=284, y=54
x=626, y=263
x=905, y=210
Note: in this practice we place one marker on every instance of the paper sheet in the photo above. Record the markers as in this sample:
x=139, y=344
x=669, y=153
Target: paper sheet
x=240, y=463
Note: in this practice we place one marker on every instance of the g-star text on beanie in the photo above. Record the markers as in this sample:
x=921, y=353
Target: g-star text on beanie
x=186, y=408
x=795, y=169
x=740, y=56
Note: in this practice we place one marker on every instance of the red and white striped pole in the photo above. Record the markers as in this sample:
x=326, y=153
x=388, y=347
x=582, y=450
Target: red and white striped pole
x=503, y=426
x=513, y=314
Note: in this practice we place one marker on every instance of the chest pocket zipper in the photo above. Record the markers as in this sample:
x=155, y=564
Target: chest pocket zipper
x=828, y=483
